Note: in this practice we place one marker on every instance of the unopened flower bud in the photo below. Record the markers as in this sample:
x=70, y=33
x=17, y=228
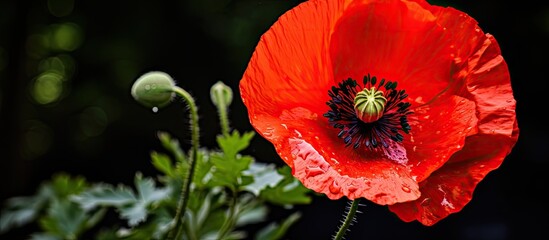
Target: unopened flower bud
x=153, y=89
x=220, y=90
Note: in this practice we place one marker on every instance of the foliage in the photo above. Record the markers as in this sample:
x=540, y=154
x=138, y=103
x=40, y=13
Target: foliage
x=229, y=191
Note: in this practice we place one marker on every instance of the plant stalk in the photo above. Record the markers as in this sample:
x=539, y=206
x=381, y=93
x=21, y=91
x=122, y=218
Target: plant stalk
x=348, y=220
x=177, y=228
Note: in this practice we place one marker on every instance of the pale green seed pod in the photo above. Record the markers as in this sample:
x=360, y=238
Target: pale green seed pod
x=153, y=89
x=370, y=105
x=220, y=90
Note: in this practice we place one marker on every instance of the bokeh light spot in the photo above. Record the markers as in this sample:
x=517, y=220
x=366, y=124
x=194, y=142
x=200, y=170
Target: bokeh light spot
x=47, y=87
x=52, y=64
x=66, y=36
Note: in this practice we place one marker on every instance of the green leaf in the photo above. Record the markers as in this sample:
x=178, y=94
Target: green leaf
x=234, y=143
x=132, y=207
x=256, y=214
x=23, y=210
x=289, y=191
x=105, y=195
x=44, y=236
x=65, y=185
x=163, y=163
x=276, y=231
x=172, y=145
x=263, y=175
x=203, y=169
x=64, y=219
x=228, y=170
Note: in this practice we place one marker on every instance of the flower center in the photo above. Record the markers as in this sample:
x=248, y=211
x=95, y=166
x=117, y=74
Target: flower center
x=369, y=105
x=366, y=115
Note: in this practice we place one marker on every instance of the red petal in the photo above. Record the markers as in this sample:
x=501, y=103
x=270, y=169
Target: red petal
x=290, y=66
x=322, y=163
x=438, y=130
x=397, y=40
x=451, y=187
x=488, y=82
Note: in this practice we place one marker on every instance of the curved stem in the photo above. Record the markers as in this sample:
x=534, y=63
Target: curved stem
x=227, y=225
x=348, y=220
x=177, y=229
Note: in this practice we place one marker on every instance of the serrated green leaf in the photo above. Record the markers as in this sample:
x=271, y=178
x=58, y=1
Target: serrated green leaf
x=172, y=145
x=44, y=236
x=289, y=191
x=105, y=195
x=228, y=170
x=131, y=206
x=23, y=210
x=234, y=143
x=147, y=193
x=263, y=176
x=64, y=219
x=256, y=214
x=275, y=231
x=64, y=185
x=163, y=163
x=202, y=173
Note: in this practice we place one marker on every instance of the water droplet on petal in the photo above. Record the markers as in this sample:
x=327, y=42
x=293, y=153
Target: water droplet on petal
x=335, y=188
x=312, y=171
x=406, y=189
x=147, y=87
x=352, y=188
x=268, y=132
x=154, y=109
x=425, y=202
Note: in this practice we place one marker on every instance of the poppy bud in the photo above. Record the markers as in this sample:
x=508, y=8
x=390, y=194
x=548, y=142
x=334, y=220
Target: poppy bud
x=153, y=89
x=220, y=90
x=369, y=105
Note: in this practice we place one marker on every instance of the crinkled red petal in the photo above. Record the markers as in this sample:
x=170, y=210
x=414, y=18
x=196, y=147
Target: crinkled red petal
x=438, y=130
x=486, y=82
x=290, y=65
x=396, y=40
x=322, y=163
x=451, y=187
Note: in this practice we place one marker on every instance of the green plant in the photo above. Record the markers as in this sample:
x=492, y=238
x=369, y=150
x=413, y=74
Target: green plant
x=199, y=194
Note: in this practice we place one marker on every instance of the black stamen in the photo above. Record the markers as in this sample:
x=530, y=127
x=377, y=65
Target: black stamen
x=372, y=135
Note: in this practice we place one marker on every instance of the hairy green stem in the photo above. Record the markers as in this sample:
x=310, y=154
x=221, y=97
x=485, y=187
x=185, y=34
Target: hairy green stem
x=222, y=111
x=177, y=229
x=348, y=220
x=228, y=225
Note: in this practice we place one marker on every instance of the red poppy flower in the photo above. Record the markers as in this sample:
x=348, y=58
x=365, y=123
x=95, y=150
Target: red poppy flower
x=400, y=102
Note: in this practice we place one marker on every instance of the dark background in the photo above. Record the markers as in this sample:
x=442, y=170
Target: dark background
x=83, y=121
